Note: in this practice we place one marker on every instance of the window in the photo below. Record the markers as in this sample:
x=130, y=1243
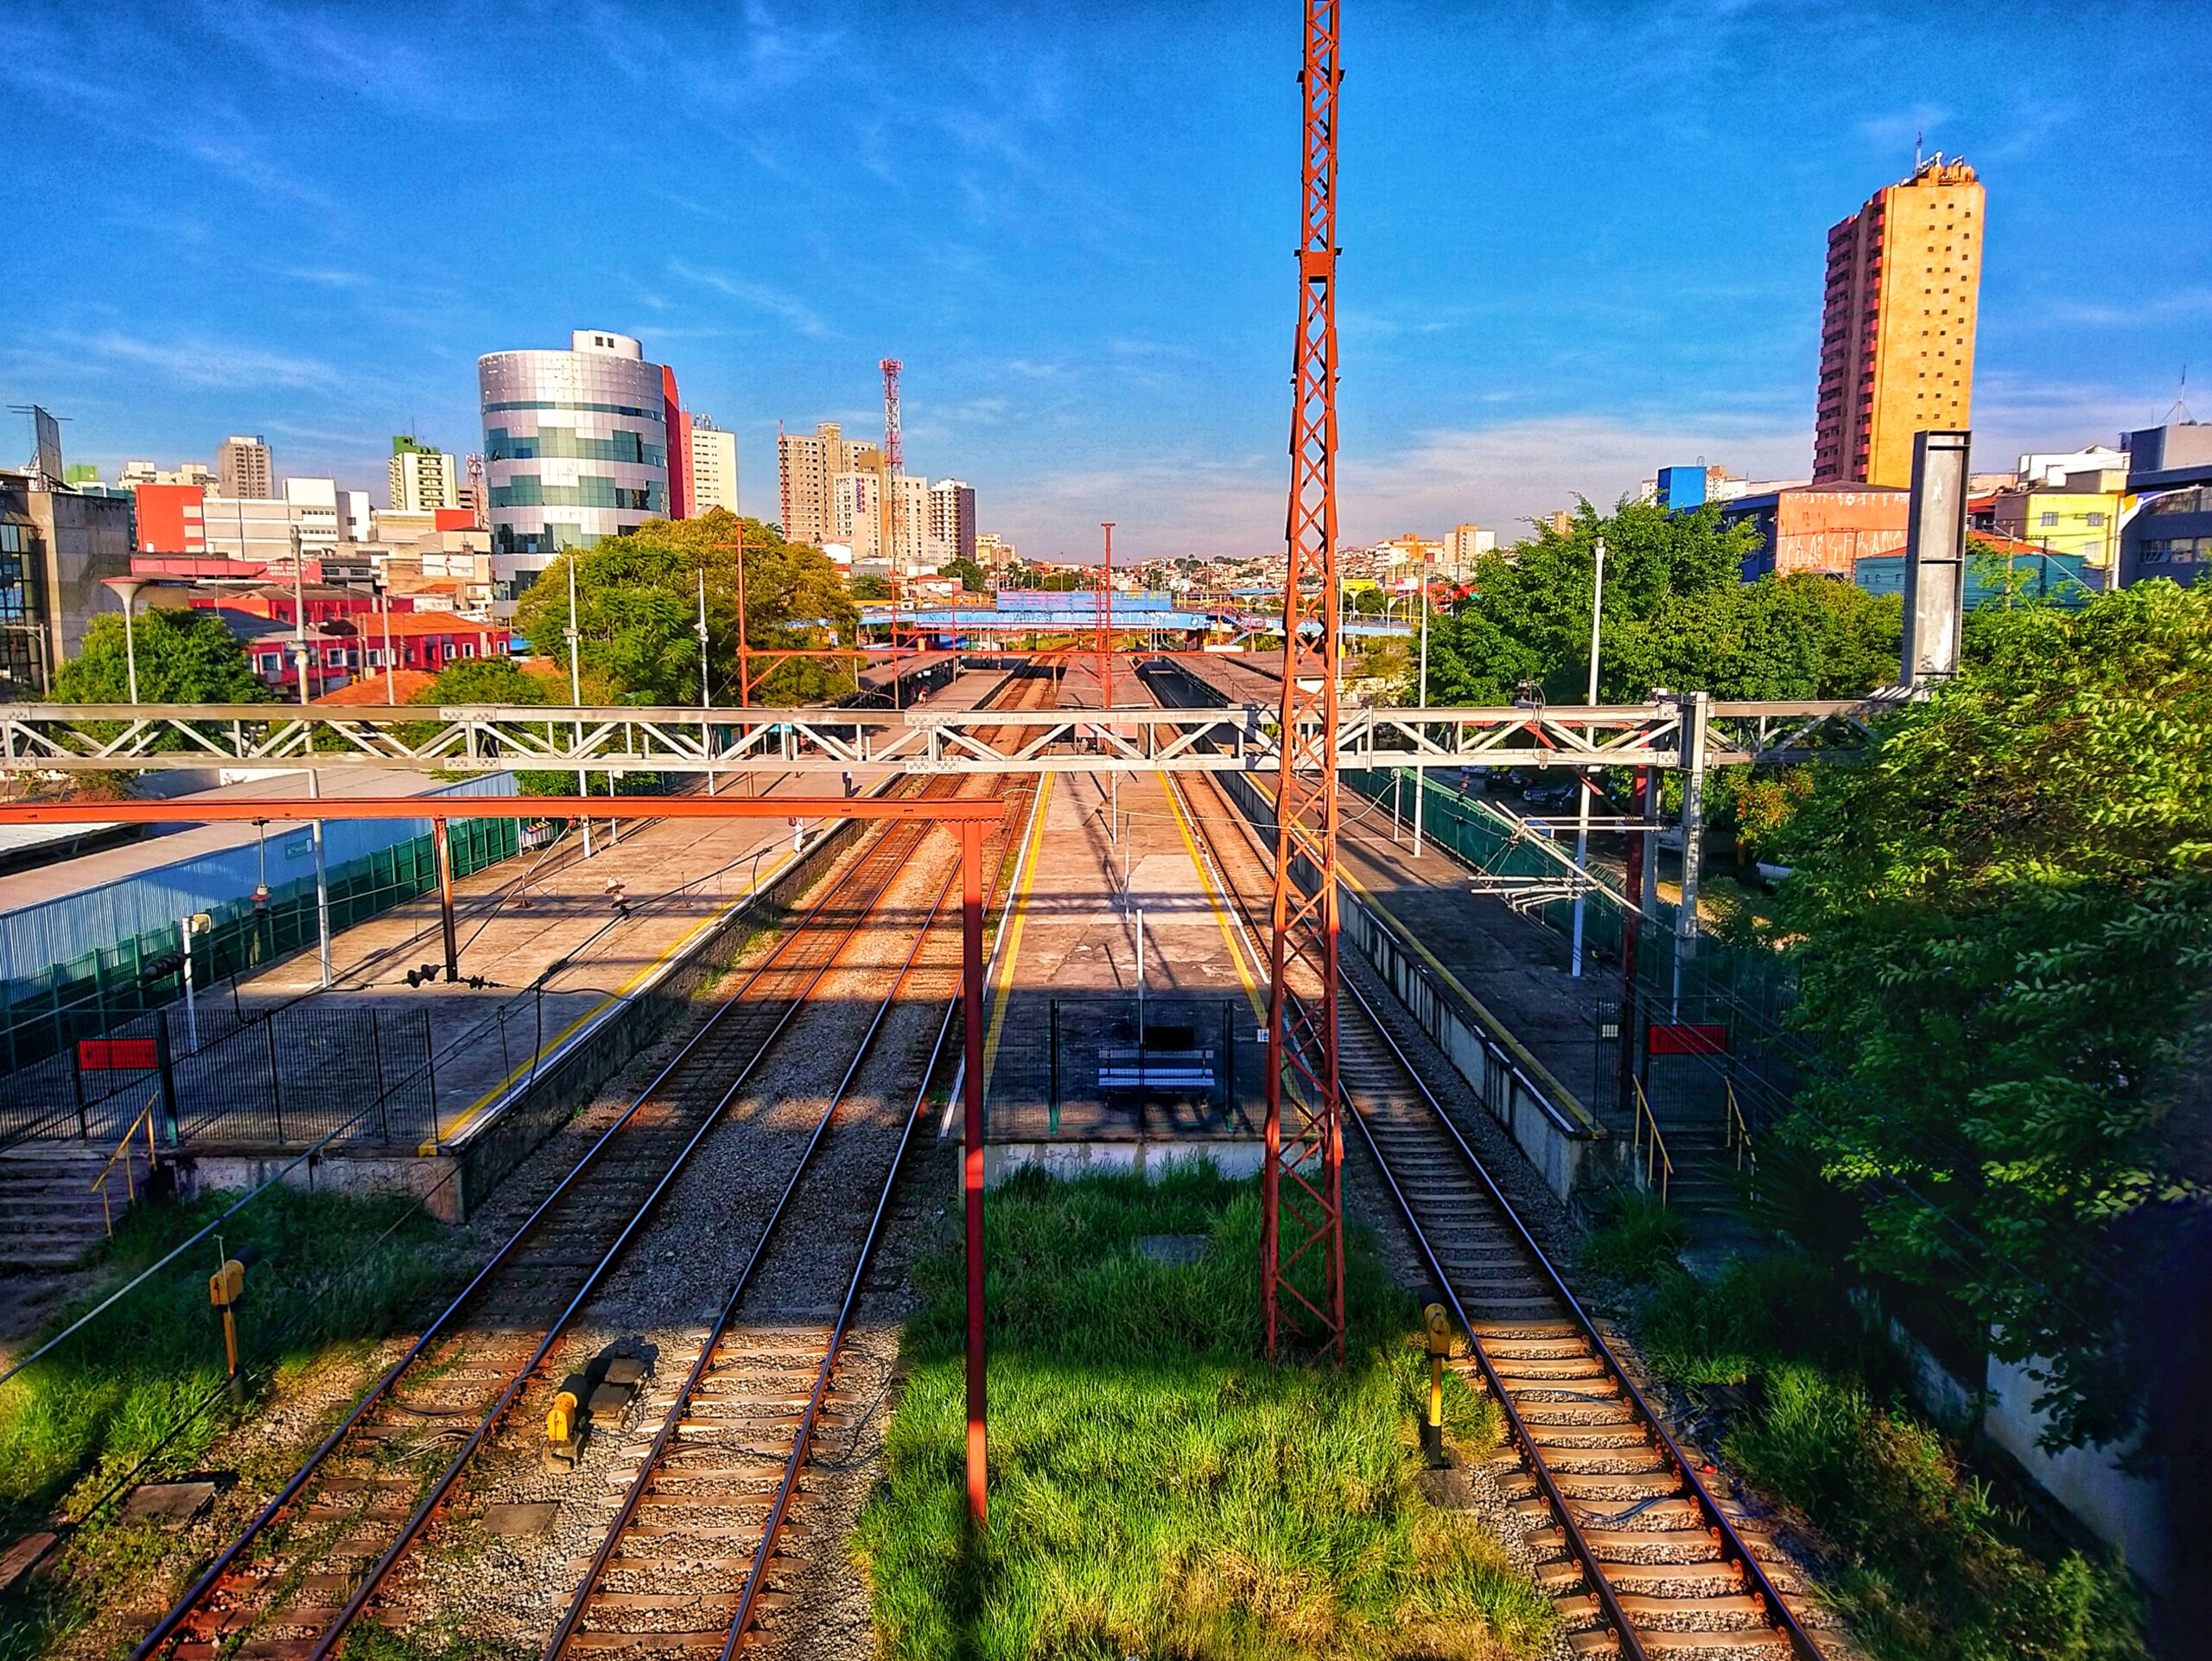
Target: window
x=2048, y=521
x=2096, y=521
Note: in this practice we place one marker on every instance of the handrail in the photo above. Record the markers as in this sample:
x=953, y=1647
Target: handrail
x=98, y=1184
x=1737, y=1130
x=1658, y=1162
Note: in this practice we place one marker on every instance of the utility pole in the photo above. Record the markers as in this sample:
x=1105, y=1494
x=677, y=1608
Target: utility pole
x=1421, y=774
x=1301, y=1191
x=299, y=618
x=1582, y=774
x=576, y=687
x=383, y=611
x=706, y=698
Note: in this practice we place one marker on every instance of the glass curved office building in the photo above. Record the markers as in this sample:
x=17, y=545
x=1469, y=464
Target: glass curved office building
x=575, y=447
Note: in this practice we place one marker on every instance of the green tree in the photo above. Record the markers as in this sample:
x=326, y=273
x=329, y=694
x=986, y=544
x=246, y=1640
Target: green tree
x=972, y=576
x=184, y=657
x=871, y=588
x=637, y=607
x=2003, y=921
x=1677, y=614
x=1529, y=616
x=489, y=680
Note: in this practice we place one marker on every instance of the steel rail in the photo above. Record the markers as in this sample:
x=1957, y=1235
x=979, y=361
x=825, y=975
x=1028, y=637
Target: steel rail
x=580, y=1598
x=166, y=1628
x=634, y=1495
x=915, y=827
x=182, y=1611
x=1733, y=1548
x=1735, y=1551
x=411, y=1529
x=803, y=1444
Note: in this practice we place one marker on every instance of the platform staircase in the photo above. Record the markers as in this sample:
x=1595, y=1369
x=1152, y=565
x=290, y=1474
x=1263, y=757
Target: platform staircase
x=52, y=1210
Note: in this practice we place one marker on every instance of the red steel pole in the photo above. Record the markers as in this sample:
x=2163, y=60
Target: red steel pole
x=1106, y=620
x=972, y=1014
x=441, y=843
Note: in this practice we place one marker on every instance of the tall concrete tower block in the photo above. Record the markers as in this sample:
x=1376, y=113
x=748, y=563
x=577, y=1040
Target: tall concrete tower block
x=1897, y=325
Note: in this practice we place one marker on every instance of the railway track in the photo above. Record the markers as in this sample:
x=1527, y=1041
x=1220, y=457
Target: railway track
x=309, y=1565
x=1641, y=1557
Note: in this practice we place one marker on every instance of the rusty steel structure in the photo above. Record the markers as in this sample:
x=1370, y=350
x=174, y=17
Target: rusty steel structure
x=1105, y=645
x=1301, y=1247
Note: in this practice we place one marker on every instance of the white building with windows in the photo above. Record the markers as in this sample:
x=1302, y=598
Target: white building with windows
x=575, y=447
x=714, y=467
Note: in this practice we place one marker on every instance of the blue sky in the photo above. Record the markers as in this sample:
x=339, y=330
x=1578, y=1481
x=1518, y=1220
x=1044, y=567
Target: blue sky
x=1579, y=241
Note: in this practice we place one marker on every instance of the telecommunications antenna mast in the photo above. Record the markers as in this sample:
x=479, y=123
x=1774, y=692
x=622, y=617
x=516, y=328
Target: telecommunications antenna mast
x=895, y=452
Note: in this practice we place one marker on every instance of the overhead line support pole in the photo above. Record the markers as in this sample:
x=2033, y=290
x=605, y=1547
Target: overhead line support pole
x=1301, y=1251
x=971, y=1174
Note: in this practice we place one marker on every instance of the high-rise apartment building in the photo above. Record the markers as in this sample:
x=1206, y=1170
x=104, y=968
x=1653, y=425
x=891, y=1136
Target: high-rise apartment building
x=807, y=466
x=910, y=546
x=714, y=465
x=575, y=447
x=1897, y=325
x=856, y=513
x=993, y=551
x=242, y=469
x=423, y=480
x=952, y=519
x=1464, y=545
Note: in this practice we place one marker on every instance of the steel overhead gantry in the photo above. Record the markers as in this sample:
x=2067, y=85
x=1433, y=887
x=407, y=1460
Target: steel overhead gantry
x=1301, y=1237
x=70, y=738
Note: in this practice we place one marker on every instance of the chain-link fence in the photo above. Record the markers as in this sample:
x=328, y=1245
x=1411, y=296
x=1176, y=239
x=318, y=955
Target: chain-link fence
x=102, y=992
x=1746, y=992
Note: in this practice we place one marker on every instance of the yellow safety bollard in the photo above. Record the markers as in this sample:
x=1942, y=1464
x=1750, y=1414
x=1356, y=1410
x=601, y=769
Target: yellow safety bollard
x=1440, y=1346
x=224, y=1288
x=561, y=1422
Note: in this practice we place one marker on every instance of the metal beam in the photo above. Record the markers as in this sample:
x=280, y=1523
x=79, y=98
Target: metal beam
x=61, y=738
x=949, y=810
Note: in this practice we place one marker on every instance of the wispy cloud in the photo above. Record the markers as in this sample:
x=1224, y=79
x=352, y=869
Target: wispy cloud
x=1897, y=128
x=761, y=297
x=201, y=362
x=1499, y=476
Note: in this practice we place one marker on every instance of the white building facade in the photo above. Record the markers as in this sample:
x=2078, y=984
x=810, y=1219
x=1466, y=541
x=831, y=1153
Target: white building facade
x=714, y=467
x=575, y=448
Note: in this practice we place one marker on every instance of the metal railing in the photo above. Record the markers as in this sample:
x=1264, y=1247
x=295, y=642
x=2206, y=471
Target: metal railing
x=123, y=1151
x=1737, y=1131
x=1650, y=1147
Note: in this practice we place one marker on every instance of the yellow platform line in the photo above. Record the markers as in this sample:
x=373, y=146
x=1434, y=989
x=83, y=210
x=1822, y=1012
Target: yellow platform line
x=523, y=1070
x=1022, y=878
x=1216, y=897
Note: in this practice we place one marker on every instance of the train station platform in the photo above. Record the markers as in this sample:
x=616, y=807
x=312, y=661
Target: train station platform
x=1070, y=1083
x=1492, y=985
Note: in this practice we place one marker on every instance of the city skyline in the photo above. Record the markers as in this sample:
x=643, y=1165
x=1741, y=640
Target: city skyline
x=1577, y=247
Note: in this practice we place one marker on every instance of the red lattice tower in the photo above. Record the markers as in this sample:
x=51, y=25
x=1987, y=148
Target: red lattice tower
x=1301, y=1247
x=894, y=448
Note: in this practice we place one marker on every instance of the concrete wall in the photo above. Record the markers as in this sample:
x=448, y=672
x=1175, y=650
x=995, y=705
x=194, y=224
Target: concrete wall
x=506, y=1134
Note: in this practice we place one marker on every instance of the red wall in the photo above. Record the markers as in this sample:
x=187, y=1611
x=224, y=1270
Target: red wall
x=679, y=449
x=163, y=524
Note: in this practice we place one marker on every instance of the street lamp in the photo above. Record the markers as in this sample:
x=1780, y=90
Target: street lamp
x=127, y=589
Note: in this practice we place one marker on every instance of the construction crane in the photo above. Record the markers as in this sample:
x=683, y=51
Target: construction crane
x=1302, y=1235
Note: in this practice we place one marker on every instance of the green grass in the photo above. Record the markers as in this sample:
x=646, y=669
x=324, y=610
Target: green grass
x=1155, y=1490
x=138, y=1381
x=1933, y=1569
